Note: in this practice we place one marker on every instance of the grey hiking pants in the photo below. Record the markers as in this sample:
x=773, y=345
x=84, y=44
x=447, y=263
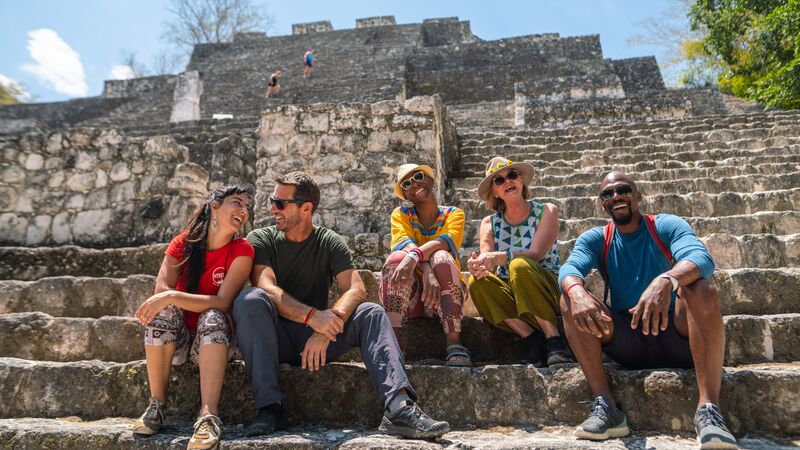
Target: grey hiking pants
x=266, y=340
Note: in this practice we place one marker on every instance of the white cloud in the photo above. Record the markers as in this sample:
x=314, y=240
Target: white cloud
x=57, y=64
x=15, y=89
x=122, y=72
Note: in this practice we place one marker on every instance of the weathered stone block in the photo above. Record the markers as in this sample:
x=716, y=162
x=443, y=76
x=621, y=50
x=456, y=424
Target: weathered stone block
x=34, y=162
x=314, y=122
x=120, y=172
x=92, y=225
x=378, y=141
x=271, y=146
x=422, y=104
x=13, y=228
x=329, y=144
x=426, y=141
x=302, y=144
x=402, y=141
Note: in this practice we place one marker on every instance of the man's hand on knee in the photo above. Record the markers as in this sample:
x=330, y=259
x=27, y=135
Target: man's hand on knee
x=587, y=314
x=327, y=322
x=653, y=307
x=313, y=355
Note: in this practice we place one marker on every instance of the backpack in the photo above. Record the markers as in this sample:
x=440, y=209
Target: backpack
x=608, y=235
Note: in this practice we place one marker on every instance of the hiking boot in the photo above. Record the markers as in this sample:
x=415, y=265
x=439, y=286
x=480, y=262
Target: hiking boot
x=207, y=432
x=534, y=350
x=603, y=422
x=266, y=421
x=711, y=430
x=151, y=421
x=410, y=422
x=557, y=351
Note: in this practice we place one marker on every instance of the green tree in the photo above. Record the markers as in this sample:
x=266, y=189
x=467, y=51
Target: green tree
x=758, y=44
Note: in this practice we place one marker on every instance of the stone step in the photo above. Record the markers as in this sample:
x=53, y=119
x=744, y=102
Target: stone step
x=669, y=126
x=772, y=222
x=678, y=174
x=696, y=204
x=476, y=164
x=664, y=126
x=115, y=433
x=38, y=336
x=765, y=251
x=742, y=291
x=560, y=167
x=466, y=188
x=621, y=139
x=31, y=263
x=485, y=396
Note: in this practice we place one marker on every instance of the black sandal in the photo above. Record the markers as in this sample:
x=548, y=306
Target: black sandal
x=458, y=356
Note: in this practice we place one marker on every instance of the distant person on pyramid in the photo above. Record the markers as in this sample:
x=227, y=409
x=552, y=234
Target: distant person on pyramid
x=274, y=84
x=308, y=63
x=514, y=279
x=286, y=317
x=663, y=309
x=204, y=268
x=422, y=275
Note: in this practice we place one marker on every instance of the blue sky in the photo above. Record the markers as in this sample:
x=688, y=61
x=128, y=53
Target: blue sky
x=60, y=49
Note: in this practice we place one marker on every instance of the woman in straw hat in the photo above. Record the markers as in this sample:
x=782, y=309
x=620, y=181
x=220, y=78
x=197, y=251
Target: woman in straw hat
x=422, y=275
x=514, y=280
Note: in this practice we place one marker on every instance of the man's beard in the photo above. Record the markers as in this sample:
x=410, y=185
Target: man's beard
x=624, y=220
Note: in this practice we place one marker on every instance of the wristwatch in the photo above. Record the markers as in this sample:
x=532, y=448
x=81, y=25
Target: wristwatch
x=672, y=280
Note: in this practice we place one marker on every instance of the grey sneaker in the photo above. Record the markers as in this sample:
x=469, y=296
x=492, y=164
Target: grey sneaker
x=711, y=430
x=410, y=422
x=603, y=422
x=151, y=421
x=207, y=432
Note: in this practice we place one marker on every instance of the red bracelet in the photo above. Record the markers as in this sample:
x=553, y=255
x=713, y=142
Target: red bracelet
x=566, y=292
x=308, y=316
x=419, y=253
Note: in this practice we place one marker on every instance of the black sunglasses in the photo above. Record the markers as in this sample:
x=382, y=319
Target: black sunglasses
x=511, y=175
x=621, y=190
x=418, y=177
x=280, y=204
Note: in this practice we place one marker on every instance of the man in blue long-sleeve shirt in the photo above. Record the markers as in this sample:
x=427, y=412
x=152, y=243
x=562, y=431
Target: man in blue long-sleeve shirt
x=660, y=314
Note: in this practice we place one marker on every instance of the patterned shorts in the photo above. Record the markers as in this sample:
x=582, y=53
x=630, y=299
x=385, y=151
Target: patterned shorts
x=168, y=327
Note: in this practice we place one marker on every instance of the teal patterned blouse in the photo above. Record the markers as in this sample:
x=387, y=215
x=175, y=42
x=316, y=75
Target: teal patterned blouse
x=520, y=237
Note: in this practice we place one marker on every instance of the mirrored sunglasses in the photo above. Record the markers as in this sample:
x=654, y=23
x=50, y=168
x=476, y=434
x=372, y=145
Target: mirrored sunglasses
x=418, y=177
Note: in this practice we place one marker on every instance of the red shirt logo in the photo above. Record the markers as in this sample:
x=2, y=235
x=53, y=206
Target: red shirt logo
x=217, y=276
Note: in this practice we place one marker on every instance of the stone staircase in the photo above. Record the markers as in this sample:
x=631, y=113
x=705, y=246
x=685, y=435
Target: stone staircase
x=71, y=355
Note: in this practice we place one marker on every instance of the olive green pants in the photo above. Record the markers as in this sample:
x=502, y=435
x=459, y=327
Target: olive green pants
x=529, y=292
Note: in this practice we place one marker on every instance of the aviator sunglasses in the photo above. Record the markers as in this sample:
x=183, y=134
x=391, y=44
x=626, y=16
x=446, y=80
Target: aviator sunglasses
x=280, y=204
x=511, y=175
x=418, y=177
x=621, y=190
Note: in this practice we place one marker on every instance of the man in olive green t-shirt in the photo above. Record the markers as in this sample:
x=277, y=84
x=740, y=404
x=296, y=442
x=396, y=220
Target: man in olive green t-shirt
x=286, y=318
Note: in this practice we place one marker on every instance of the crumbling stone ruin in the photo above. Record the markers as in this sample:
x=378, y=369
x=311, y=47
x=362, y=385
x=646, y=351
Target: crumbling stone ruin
x=92, y=189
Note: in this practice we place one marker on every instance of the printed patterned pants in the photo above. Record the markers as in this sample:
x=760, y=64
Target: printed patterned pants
x=213, y=327
x=405, y=301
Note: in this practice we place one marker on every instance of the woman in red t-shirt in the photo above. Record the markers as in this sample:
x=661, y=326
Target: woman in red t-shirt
x=204, y=268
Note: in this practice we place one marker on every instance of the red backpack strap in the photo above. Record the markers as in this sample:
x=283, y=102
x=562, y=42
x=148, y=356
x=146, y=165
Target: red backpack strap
x=608, y=235
x=650, y=220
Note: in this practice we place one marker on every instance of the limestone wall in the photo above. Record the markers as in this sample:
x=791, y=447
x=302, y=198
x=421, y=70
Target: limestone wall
x=379, y=21
x=26, y=116
x=95, y=188
x=639, y=74
x=353, y=150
